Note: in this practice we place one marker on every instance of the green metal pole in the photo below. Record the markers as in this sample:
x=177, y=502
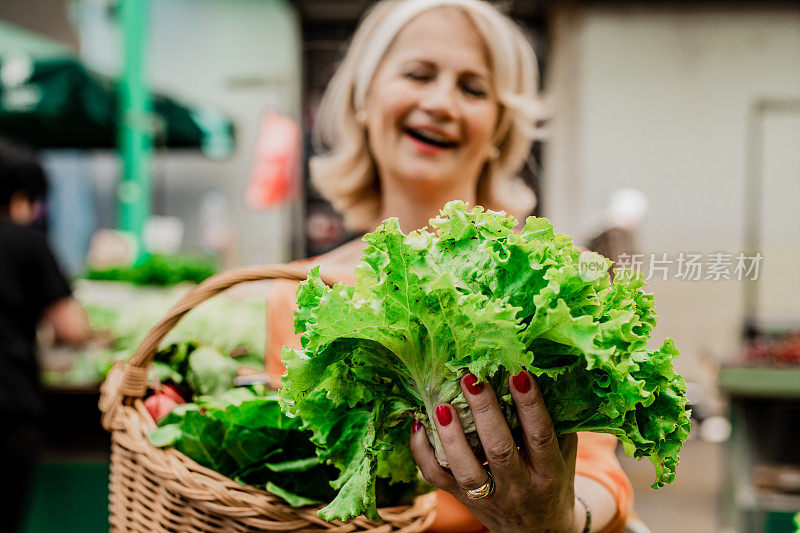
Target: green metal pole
x=136, y=135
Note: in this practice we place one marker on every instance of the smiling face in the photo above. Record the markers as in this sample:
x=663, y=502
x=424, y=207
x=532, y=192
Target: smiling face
x=431, y=109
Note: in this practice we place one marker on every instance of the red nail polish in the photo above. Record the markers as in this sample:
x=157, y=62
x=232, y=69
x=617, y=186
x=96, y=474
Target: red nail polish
x=471, y=382
x=443, y=414
x=521, y=382
x=415, y=427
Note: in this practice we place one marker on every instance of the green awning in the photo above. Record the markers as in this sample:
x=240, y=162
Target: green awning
x=57, y=102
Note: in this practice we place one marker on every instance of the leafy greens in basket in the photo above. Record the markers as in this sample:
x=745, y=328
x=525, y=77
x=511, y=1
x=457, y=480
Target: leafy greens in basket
x=242, y=434
x=245, y=436
x=477, y=297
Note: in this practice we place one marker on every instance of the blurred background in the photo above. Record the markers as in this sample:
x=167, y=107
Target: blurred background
x=175, y=134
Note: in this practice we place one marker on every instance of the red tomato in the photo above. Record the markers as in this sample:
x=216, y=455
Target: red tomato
x=159, y=405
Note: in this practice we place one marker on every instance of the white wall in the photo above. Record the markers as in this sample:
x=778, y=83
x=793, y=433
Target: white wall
x=242, y=56
x=658, y=98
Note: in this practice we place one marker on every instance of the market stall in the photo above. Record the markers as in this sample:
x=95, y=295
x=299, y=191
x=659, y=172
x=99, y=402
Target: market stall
x=763, y=381
x=50, y=100
x=77, y=447
x=763, y=493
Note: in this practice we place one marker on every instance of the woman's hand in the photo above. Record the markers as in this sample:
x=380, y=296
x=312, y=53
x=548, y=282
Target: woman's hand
x=534, y=486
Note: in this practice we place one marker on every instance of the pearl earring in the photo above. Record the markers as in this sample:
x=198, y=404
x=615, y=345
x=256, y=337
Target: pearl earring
x=494, y=153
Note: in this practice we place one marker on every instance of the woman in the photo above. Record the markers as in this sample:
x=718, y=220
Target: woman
x=436, y=100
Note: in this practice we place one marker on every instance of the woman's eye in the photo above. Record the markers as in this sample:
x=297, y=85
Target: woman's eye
x=474, y=90
x=417, y=75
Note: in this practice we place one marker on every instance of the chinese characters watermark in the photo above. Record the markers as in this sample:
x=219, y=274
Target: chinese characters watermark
x=716, y=266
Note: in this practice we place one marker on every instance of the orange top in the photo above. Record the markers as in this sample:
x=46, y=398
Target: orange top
x=596, y=452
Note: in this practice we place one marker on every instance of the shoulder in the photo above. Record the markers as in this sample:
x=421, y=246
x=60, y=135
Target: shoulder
x=15, y=233
x=22, y=242
x=338, y=264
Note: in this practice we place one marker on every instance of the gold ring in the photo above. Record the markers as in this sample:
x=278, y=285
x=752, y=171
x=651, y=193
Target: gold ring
x=484, y=491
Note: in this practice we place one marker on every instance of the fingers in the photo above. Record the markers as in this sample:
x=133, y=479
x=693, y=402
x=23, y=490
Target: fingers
x=540, y=437
x=467, y=470
x=498, y=444
x=425, y=457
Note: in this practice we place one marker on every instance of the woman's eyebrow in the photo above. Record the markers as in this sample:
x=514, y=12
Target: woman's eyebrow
x=417, y=62
x=482, y=75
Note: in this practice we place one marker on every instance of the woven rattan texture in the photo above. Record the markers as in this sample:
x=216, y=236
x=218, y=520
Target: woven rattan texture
x=160, y=489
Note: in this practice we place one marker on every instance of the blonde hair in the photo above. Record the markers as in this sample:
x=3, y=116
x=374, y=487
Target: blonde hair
x=345, y=172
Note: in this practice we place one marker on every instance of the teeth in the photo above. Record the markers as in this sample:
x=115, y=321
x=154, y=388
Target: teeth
x=432, y=137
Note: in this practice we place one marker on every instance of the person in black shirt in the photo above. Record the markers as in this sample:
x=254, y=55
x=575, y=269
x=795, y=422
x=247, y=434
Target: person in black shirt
x=32, y=290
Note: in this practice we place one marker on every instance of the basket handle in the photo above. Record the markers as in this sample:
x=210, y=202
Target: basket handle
x=133, y=384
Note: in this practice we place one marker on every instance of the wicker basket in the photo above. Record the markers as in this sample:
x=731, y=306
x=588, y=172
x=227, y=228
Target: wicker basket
x=160, y=489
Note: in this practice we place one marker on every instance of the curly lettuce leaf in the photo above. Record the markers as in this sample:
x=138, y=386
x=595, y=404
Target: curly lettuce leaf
x=476, y=296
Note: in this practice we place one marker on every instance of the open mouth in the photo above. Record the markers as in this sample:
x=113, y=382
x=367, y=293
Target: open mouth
x=430, y=137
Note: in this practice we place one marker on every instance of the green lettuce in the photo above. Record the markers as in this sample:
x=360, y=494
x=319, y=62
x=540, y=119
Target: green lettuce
x=242, y=434
x=246, y=437
x=476, y=296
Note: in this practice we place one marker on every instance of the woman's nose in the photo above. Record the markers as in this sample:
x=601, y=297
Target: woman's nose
x=440, y=101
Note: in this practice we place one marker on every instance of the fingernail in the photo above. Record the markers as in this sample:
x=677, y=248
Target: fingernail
x=472, y=384
x=415, y=427
x=521, y=382
x=443, y=414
